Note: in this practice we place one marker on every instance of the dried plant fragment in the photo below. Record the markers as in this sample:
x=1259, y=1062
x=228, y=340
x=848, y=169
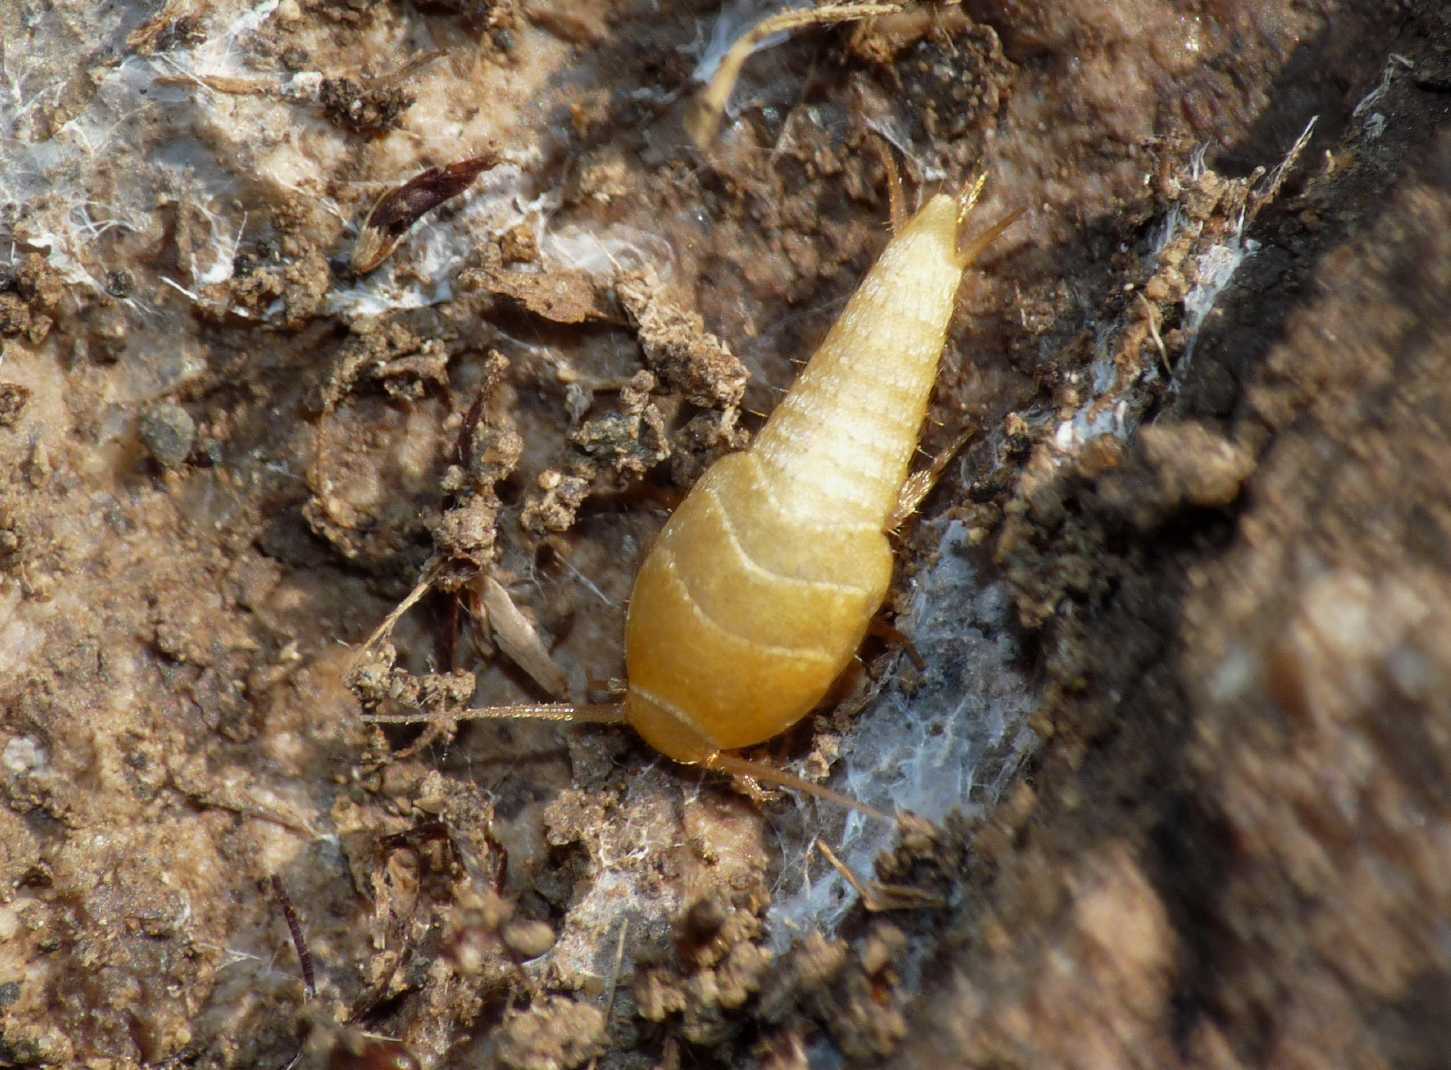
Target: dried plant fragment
x=703, y=122
x=398, y=209
x=517, y=636
x=224, y=83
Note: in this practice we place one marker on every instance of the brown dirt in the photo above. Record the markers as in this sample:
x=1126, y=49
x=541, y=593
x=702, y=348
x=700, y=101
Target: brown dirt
x=224, y=461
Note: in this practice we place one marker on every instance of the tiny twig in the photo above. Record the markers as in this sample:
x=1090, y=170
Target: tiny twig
x=304, y=956
x=877, y=896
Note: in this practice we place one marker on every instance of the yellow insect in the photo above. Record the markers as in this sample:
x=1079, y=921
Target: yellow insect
x=760, y=588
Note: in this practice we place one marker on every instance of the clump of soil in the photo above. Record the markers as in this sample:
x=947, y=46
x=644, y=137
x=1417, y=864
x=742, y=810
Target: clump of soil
x=367, y=110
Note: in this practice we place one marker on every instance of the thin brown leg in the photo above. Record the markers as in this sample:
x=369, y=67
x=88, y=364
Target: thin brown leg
x=730, y=763
x=968, y=254
x=896, y=637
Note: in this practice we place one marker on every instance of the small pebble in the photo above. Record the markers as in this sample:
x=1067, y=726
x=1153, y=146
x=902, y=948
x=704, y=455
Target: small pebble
x=168, y=431
x=528, y=939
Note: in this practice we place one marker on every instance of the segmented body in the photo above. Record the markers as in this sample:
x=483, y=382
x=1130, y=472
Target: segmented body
x=760, y=588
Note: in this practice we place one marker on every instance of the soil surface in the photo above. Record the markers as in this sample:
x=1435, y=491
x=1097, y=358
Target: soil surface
x=353, y=354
